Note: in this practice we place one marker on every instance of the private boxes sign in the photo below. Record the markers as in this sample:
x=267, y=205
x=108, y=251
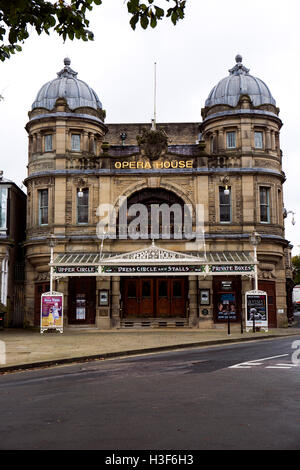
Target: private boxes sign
x=52, y=311
x=256, y=310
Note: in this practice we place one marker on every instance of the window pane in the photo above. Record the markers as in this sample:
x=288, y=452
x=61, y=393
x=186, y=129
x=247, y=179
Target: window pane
x=177, y=289
x=3, y=208
x=132, y=290
x=75, y=142
x=83, y=207
x=146, y=289
x=43, y=207
x=163, y=289
x=230, y=139
x=48, y=142
x=264, y=196
x=258, y=140
x=225, y=205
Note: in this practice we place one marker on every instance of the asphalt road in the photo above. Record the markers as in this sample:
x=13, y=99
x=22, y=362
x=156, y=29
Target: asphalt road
x=242, y=396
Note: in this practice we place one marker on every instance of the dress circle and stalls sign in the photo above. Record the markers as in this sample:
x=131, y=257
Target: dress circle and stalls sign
x=257, y=309
x=52, y=311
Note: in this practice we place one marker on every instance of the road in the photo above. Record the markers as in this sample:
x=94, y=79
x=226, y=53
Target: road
x=242, y=396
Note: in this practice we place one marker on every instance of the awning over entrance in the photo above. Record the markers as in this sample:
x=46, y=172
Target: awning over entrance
x=154, y=261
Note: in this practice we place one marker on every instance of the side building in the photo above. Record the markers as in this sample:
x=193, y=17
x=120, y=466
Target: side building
x=12, y=235
x=224, y=173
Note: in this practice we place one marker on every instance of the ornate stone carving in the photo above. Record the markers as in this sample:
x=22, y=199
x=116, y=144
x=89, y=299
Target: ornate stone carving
x=42, y=277
x=153, y=143
x=266, y=271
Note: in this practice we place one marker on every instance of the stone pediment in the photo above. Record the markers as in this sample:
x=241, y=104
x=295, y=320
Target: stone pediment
x=155, y=254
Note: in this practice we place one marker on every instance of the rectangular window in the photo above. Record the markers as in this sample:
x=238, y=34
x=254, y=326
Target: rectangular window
x=264, y=200
x=3, y=208
x=83, y=206
x=225, y=205
x=75, y=142
x=43, y=207
x=48, y=142
x=230, y=140
x=258, y=140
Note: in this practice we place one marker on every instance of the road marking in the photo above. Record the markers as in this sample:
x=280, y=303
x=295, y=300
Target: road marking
x=290, y=365
x=277, y=367
x=249, y=364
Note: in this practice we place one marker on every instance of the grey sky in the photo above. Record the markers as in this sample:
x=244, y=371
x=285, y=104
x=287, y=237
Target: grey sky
x=191, y=58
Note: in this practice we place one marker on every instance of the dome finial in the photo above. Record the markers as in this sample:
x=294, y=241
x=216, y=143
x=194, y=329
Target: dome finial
x=67, y=71
x=239, y=68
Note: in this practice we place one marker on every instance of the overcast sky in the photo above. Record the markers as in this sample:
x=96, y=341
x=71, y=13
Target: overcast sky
x=191, y=58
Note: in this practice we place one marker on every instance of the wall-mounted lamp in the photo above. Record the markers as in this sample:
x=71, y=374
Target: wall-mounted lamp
x=225, y=181
x=285, y=214
x=81, y=184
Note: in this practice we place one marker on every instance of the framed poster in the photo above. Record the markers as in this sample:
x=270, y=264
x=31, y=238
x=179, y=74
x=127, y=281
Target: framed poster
x=226, y=306
x=204, y=297
x=256, y=303
x=51, y=311
x=103, y=298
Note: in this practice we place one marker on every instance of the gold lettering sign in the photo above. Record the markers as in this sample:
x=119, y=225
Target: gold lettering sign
x=141, y=165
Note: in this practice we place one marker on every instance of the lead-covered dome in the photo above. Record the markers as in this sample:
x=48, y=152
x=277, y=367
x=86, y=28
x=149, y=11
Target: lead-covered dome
x=238, y=83
x=76, y=92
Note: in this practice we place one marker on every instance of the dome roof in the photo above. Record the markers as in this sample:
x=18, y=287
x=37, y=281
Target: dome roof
x=239, y=82
x=76, y=92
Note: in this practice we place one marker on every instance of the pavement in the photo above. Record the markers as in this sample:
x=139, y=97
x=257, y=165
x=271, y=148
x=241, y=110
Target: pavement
x=22, y=349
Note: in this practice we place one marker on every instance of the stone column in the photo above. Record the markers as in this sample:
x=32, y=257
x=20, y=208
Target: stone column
x=85, y=146
x=268, y=140
x=39, y=143
x=34, y=143
x=115, y=302
x=273, y=140
x=221, y=143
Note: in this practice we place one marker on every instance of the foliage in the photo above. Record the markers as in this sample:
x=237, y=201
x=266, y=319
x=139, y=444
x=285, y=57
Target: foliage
x=68, y=19
x=296, y=268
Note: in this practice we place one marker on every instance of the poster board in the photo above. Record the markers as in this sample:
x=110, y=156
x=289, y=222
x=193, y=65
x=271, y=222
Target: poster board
x=52, y=311
x=256, y=304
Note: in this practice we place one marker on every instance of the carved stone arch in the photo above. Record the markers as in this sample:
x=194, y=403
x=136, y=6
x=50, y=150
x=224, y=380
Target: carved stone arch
x=151, y=196
x=130, y=190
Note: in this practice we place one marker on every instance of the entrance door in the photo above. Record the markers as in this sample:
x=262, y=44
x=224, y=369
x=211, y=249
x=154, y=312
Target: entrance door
x=154, y=297
x=178, y=297
x=146, y=304
x=269, y=288
x=82, y=300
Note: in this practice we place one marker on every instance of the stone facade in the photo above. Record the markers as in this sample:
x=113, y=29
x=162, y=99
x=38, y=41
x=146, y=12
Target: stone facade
x=198, y=162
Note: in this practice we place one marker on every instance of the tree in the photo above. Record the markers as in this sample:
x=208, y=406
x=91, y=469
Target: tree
x=68, y=18
x=296, y=268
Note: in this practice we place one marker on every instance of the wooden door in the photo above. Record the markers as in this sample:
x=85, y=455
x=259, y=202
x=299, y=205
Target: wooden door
x=82, y=300
x=178, y=297
x=269, y=288
x=131, y=299
x=40, y=288
x=163, y=297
